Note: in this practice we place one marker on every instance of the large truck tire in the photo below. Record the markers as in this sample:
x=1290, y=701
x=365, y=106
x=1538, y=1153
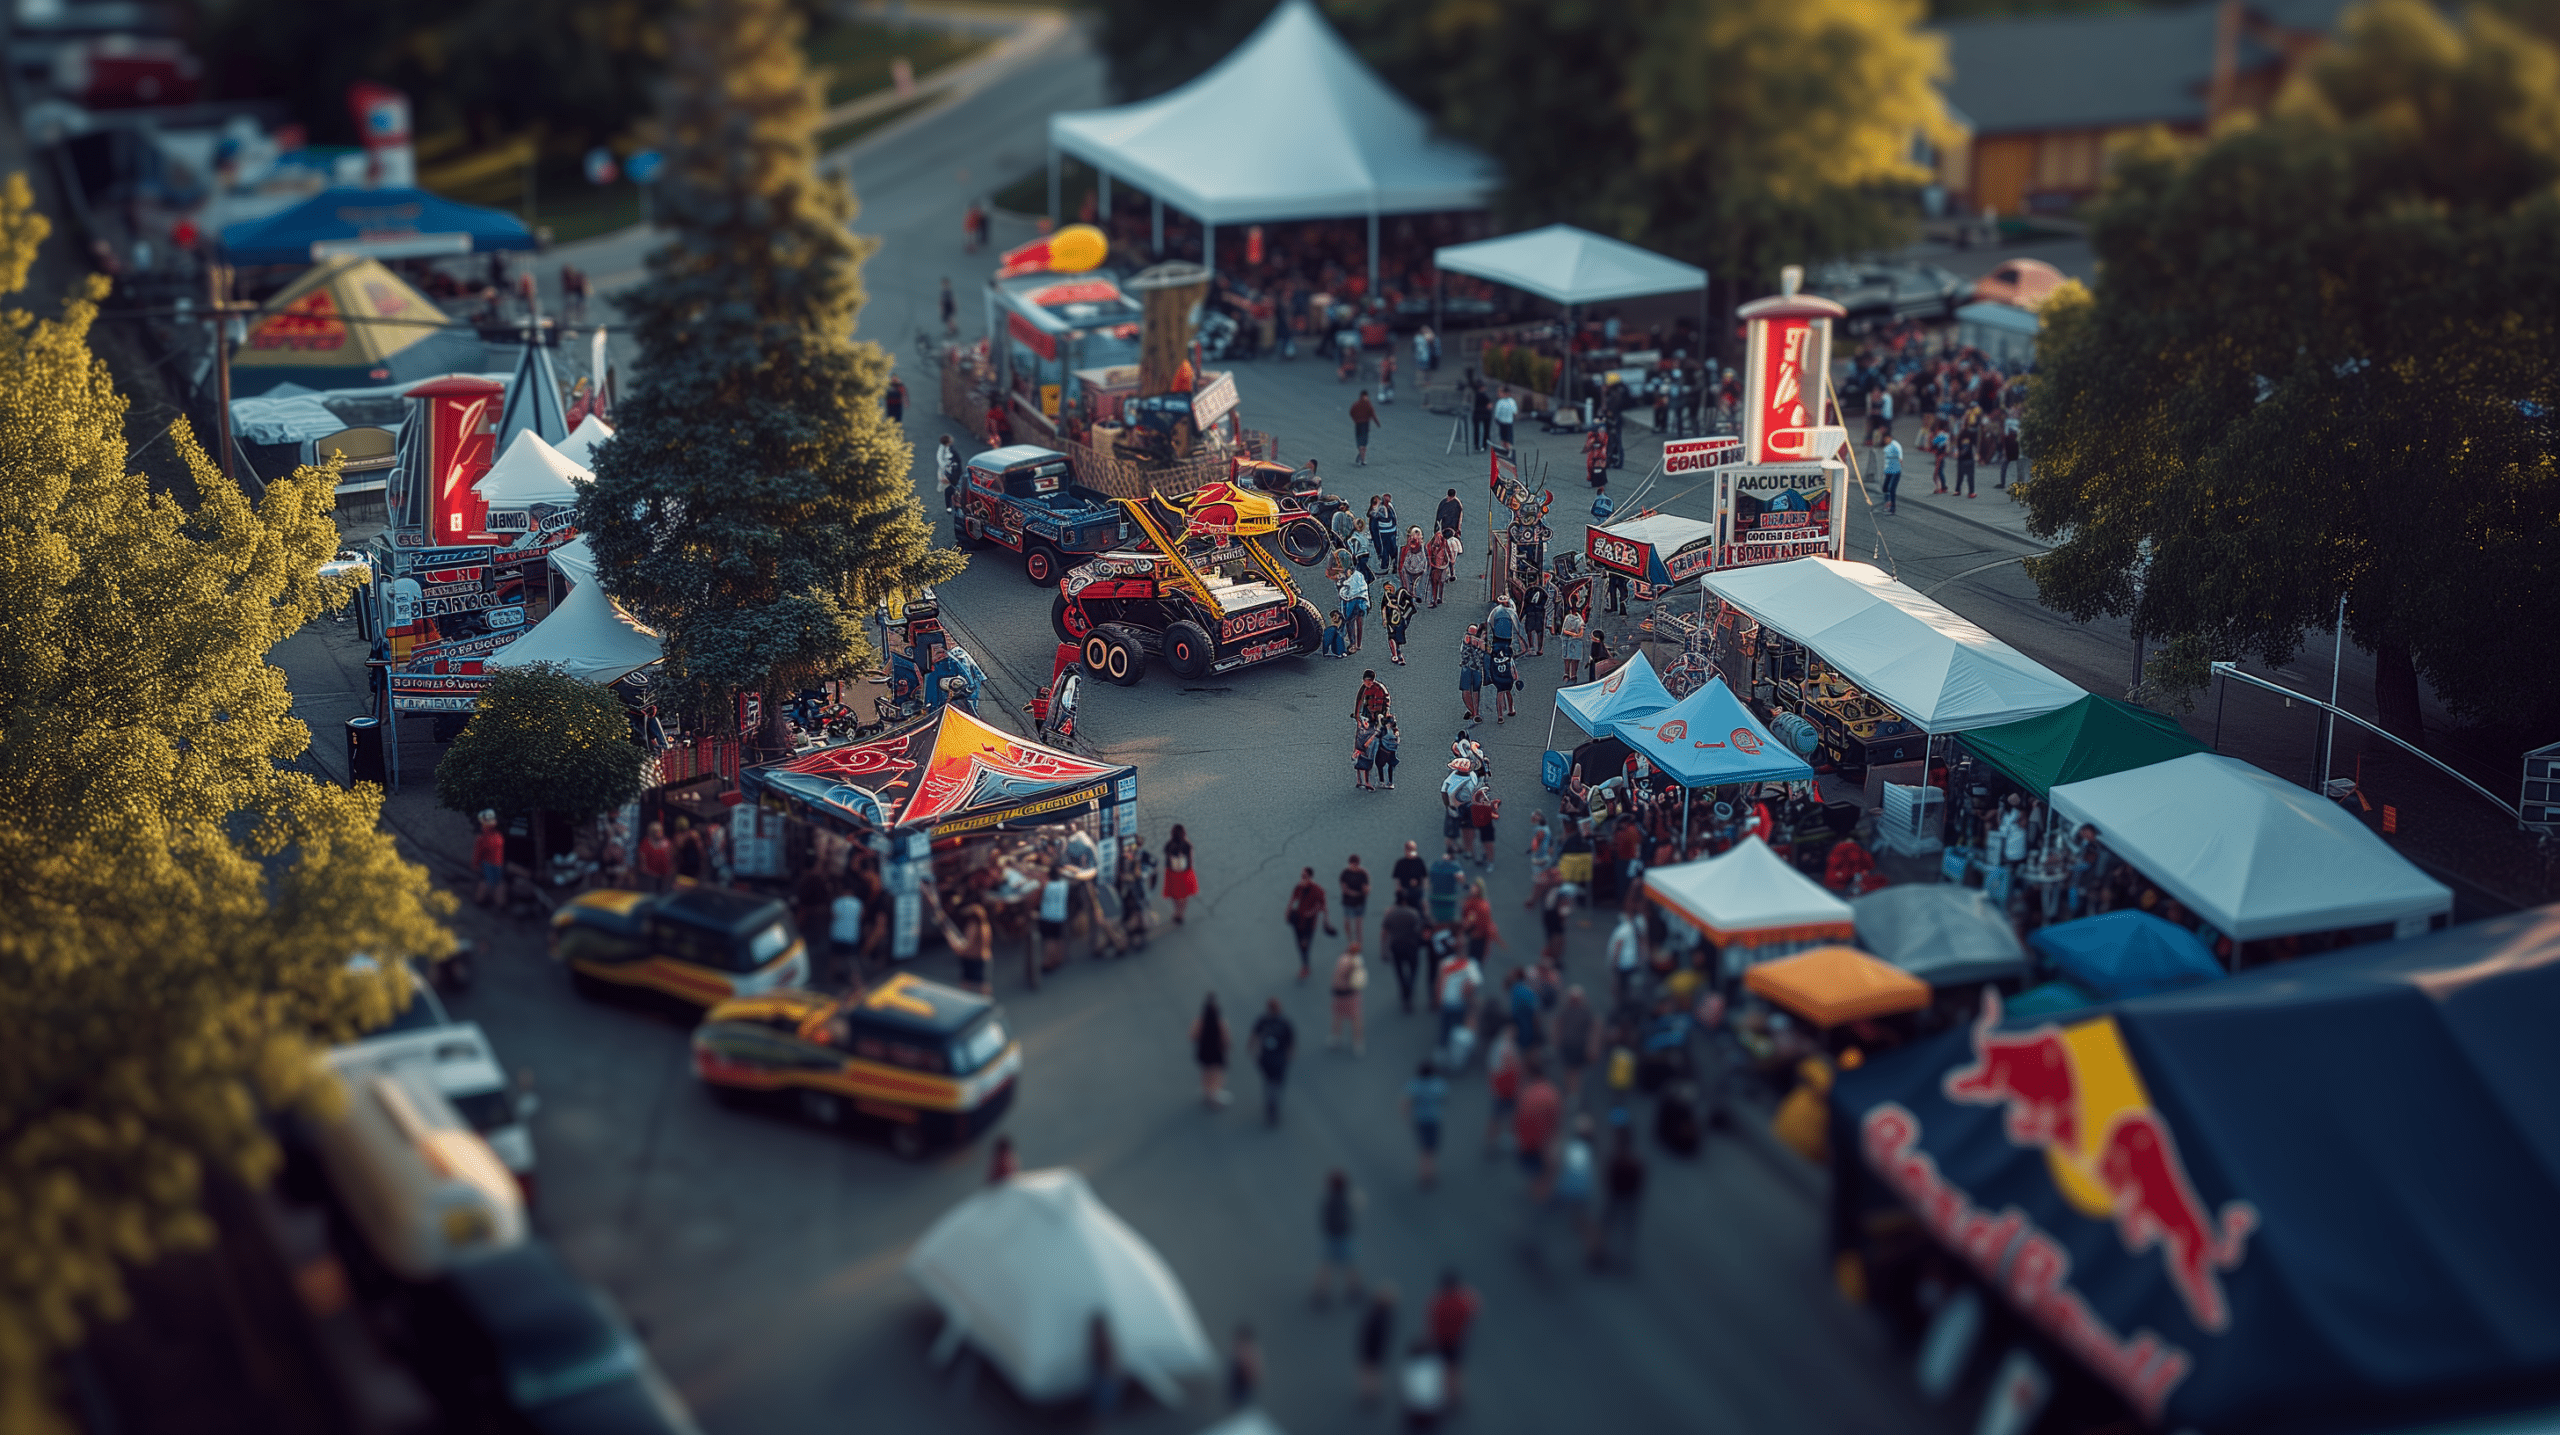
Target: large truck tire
x=1188, y=651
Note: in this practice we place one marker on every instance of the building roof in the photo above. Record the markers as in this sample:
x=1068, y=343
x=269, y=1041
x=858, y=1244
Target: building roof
x=2098, y=71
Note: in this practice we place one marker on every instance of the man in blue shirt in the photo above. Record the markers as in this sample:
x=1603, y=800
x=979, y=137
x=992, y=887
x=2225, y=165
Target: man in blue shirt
x=1448, y=883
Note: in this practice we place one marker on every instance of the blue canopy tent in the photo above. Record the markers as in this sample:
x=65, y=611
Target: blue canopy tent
x=383, y=223
x=2317, y=1197
x=1631, y=691
x=2126, y=954
x=1708, y=739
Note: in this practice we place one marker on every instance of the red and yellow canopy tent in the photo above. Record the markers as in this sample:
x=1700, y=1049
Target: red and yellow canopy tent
x=946, y=775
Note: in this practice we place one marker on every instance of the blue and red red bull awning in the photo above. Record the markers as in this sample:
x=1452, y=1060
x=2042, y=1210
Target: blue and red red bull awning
x=2323, y=1196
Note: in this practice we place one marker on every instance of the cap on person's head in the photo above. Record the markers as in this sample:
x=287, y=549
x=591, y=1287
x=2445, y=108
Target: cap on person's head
x=488, y=814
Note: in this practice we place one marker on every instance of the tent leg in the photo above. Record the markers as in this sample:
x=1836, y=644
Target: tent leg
x=1155, y=213
x=1209, y=246
x=1054, y=177
x=1684, y=824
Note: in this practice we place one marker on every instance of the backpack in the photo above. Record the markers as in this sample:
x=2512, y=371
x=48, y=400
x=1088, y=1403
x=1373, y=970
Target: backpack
x=1502, y=624
x=1602, y=506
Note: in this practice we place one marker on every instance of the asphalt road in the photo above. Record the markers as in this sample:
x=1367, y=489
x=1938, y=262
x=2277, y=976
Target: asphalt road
x=762, y=1258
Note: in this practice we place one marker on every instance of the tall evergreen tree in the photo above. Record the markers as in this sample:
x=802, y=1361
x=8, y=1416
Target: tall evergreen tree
x=180, y=905
x=755, y=505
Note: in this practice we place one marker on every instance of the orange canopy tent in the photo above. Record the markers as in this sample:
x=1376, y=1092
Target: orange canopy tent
x=1832, y=986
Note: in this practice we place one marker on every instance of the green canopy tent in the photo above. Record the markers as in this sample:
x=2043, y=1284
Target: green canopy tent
x=2090, y=738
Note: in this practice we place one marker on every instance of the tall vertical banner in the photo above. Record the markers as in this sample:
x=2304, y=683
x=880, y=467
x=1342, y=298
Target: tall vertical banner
x=1787, y=362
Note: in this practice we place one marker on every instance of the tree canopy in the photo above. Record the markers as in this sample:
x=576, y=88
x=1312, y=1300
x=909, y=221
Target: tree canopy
x=2319, y=362
x=181, y=907
x=755, y=505
x=542, y=741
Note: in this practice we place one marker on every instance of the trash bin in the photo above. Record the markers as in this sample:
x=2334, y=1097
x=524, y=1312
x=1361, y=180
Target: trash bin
x=364, y=751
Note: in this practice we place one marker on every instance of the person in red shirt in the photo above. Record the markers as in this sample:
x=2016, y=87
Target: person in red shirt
x=1372, y=700
x=1452, y=1315
x=657, y=858
x=1534, y=1126
x=489, y=859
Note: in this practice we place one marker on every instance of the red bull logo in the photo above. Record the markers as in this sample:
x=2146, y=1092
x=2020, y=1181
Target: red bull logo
x=2073, y=1093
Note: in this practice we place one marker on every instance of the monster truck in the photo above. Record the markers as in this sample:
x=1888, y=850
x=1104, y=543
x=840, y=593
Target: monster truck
x=1203, y=594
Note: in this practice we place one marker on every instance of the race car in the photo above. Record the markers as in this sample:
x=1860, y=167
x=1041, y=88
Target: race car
x=932, y=1063
x=1204, y=594
x=1026, y=499
x=698, y=945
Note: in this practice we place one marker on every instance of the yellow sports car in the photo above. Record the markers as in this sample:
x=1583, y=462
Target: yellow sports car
x=932, y=1063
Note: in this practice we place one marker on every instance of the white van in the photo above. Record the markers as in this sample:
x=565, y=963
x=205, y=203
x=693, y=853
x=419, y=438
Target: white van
x=458, y=1057
x=418, y=1183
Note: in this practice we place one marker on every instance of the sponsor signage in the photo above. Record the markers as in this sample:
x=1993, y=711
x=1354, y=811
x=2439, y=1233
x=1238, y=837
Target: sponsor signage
x=1245, y=625
x=1788, y=357
x=1699, y=455
x=1215, y=401
x=1771, y=512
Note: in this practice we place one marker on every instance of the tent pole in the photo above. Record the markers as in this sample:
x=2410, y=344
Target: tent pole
x=1439, y=294
x=1684, y=823
x=1209, y=246
x=1053, y=185
x=1376, y=292
x=1155, y=212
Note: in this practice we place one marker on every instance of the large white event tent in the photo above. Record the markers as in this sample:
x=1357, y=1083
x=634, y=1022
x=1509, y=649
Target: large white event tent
x=1573, y=267
x=2253, y=855
x=1939, y=671
x=1290, y=126
x=588, y=636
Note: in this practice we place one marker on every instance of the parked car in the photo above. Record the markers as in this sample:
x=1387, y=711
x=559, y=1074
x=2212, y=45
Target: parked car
x=420, y=1189
x=516, y=1342
x=1872, y=292
x=933, y=1064
x=459, y=1059
x=699, y=946
x=1026, y=499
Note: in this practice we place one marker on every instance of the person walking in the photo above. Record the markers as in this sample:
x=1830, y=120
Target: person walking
x=1938, y=442
x=1440, y=558
x=1382, y=532
x=1055, y=893
x=1892, y=470
x=1577, y=1042
x=1387, y=742
x=1209, y=1042
x=1968, y=444
x=1457, y=791
x=1410, y=873
x=1448, y=885
x=1506, y=412
x=1397, y=606
x=1305, y=912
x=1622, y=1199
x=1451, y=515
x=946, y=469
x=1363, y=754
x=1452, y=1318
x=1502, y=1084
x=1181, y=884
x=1387, y=376
x=1350, y=983
x=1455, y=978
x=1597, y=644
x=1400, y=932
x=1482, y=811
x=1471, y=656
x=1354, y=883
x=1480, y=411
x=489, y=860
x=1476, y=924
x=1534, y=1125
x=1274, y=1042
x=1576, y=1186
x=972, y=228
x=1338, y=1220
x=1574, y=646
x=2009, y=451
x=1364, y=415
x=1413, y=561
x=950, y=311
x=1377, y=1338
x=1426, y=1097
x=1502, y=674
x=894, y=401
x=1354, y=588
x=1533, y=618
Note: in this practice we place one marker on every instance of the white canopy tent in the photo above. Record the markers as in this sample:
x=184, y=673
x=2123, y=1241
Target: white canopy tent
x=1750, y=899
x=1936, y=669
x=1021, y=1267
x=1946, y=935
x=575, y=560
x=531, y=471
x=1332, y=140
x=580, y=446
x=1571, y=266
x=2250, y=853
x=588, y=636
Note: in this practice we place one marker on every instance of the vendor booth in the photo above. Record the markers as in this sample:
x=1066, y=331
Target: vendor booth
x=2309, y=1200
x=1834, y=986
x=1751, y=904
x=2125, y=954
x=588, y=636
x=1574, y=267
x=1632, y=690
x=1947, y=936
x=2253, y=855
x=1344, y=144
x=2091, y=738
x=349, y=323
x=1709, y=739
x=1877, y=668
x=1660, y=551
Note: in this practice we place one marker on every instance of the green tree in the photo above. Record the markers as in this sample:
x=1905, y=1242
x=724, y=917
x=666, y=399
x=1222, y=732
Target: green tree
x=2319, y=363
x=542, y=741
x=755, y=504
x=180, y=908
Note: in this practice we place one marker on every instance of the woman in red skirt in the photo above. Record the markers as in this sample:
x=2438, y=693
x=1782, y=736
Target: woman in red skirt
x=1179, y=880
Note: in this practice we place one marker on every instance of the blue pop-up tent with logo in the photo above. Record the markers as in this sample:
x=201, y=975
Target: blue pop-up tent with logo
x=1708, y=739
x=2322, y=1196
x=384, y=223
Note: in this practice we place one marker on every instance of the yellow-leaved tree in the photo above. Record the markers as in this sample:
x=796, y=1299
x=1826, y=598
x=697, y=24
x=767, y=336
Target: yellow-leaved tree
x=179, y=907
